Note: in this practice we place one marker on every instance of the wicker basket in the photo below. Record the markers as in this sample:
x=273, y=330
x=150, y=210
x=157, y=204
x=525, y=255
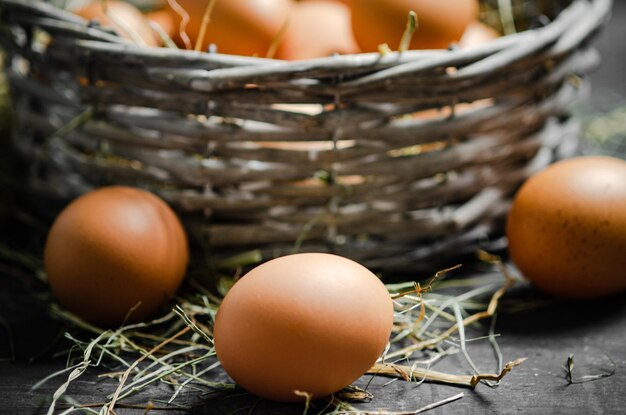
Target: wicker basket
x=378, y=157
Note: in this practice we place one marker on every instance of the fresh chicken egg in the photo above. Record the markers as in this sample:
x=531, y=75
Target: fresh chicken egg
x=308, y=322
x=115, y=254
x=439, y=23
x=318, y=28
x=567, y=228
x=237, y=27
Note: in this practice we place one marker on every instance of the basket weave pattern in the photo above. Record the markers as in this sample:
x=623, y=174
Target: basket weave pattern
x=376, y=157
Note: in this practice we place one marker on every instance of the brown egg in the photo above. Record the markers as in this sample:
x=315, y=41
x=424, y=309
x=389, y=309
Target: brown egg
x=114, y=249
x=307, y=322
x=237, y=27
x=440, y=23
x=123, y=17
x=476, y=34
x=567, y=228
x=318, y=28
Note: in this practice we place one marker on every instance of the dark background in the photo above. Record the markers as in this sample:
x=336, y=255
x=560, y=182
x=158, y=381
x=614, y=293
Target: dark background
x=595, y=333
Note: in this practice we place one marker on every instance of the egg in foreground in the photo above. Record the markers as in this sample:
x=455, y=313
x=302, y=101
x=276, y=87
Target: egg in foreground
x=115, y=254
x=307, y=322
x=567, y=228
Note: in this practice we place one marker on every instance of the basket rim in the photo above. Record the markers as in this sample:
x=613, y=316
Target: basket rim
x=574, y=24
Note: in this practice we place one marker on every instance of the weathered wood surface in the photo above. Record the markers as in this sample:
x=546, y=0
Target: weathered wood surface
x=593, y=332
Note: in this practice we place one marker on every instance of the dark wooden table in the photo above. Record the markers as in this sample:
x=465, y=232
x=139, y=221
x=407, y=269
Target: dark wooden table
x=594, y=333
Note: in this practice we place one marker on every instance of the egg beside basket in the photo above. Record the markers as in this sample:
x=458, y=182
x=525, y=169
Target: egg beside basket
x=400, y=161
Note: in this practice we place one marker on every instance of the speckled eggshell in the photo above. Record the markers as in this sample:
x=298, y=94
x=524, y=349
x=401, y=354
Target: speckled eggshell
x=567, y=228
x=310, y=322
x=112, y=249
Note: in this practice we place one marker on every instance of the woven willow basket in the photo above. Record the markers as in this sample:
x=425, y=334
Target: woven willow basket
x=402, y=161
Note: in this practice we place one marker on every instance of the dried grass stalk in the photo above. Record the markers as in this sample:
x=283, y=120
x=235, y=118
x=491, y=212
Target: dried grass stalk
x=413, y=373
